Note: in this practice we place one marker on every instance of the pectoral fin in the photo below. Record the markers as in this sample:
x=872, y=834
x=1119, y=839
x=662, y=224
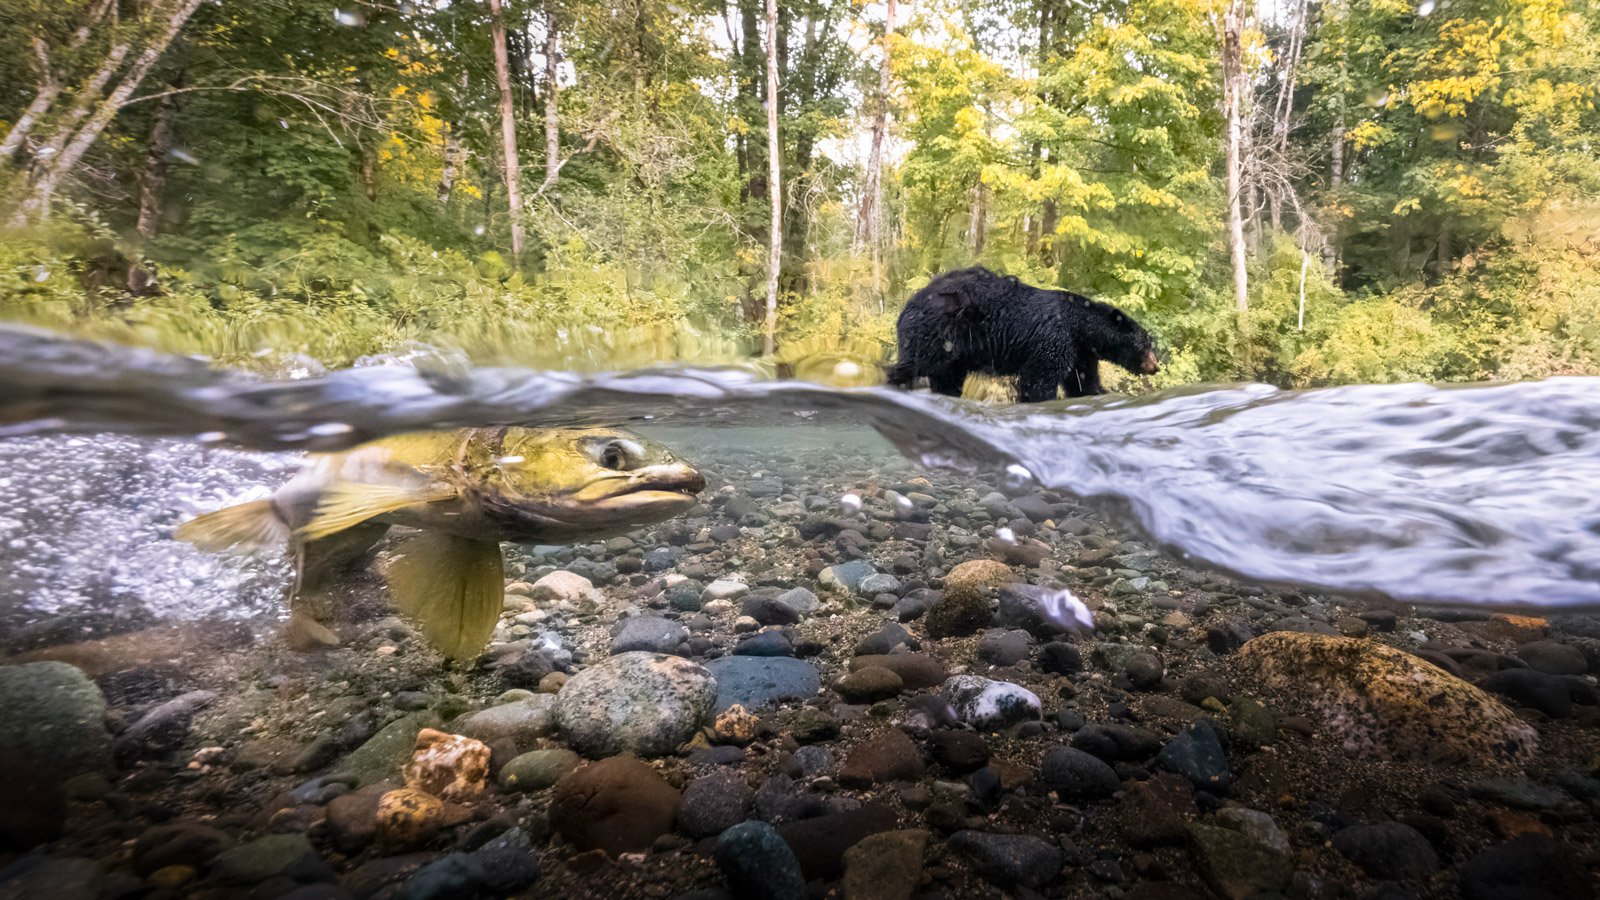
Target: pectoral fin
x=253, y=525
x=348, y=504
x=452, y=587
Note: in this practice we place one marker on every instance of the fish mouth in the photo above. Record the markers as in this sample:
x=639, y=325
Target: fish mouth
x=668, y=488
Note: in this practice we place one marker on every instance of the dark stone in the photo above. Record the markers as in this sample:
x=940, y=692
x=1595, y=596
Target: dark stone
x=1075, y=775
x=1117, y=743
x=1005, y=648
x=1197, y=687
x=651, y=634
x=1238, y=866
x=178, y=844
x=1536, y=690
x=780, y=800
x=766, y=643
x=1227, y=636
x=1197, y=754
x=1058, y=658
x=819, y=843
x=1389, y=850
x=764, y=606
x=886, y=640
x=454, y=876
x=162, y=729
x=618, y=805
x=959, y=751
x=758, y=864
x=1157, y=811
x=869, y=684
x=713, y=804
x=1553, y=658
x=52, y=878
x=1531, y=867
x=891, y=756
x=35, y=807
x=1009, y=860
x=918, y=671
x=1143, y=670
x=272, y=856
x=508, y=863
x=757, y=682
x=958, y=615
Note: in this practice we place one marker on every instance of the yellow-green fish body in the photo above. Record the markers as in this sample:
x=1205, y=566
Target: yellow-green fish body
x=465, y=491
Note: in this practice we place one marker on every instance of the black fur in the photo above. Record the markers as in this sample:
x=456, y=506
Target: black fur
x=972, y=320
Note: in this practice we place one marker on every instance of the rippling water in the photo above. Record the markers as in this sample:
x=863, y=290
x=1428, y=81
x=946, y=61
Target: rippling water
x=1472, y=495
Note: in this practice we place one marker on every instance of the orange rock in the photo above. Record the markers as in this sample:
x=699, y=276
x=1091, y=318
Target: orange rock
x=408, y=818
x=448, y=765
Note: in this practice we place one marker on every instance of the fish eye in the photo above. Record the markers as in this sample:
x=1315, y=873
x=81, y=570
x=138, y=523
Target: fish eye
x=618, y=454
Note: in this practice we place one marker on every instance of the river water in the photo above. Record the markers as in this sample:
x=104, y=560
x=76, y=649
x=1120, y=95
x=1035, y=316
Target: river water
x=1471, y=495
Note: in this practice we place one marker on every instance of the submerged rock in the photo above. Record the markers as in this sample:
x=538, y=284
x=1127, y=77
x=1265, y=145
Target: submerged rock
x=757, y=682
x=644, y=703
x=886, y=866
x=988, y=704
x=1009, y=860
x=448, y=766
x=53, y=717
x=1379, y=700
x=619, y=805
x=385, y=752
x=758, y=864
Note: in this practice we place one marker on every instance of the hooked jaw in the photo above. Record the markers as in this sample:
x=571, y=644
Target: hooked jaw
x=671, y=485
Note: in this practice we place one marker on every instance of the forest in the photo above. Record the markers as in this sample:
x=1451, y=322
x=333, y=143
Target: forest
x=1302, y=192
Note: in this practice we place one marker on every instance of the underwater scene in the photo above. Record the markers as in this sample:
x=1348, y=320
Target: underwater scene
x=772, y=639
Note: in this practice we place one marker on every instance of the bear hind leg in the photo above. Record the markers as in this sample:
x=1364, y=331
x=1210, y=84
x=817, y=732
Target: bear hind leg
x=1037, y=383
x=947, y=381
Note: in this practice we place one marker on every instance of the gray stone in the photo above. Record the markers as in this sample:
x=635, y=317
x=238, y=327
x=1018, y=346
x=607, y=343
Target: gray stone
x=802, y=601
x=52, y=717
x=878, y=583
x=651, y=634
x=1236, y=865
x=1005, y=648
x=847, y=576
x=713, y=804
x=757, y=682
x=645, y=703
x=1009, y=860
x=1553, y=658
x=162, y=729
x=272, y=856
x=38, y=877
x=1075, y=775
x=1389, y=850
x=520, y=724
x=1197, y=754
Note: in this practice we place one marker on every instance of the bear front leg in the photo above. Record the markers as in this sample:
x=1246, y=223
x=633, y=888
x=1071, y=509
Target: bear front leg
x=1084, y=379
x=1037, y=381
x=947, y=381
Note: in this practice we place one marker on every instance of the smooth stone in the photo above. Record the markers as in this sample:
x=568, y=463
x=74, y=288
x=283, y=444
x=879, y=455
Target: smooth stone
x=1531, y=867
x=1075, y=775
x=619, y=805
x=1197, y=754
x=885, y=866
x=650, y=634
x=847, y=576
x=1553, y=658
x=644, y=703
x=890, y=756
x=1389, y=850
x=162, y=729
x=763, y=607
x=918, y=671
x=713, y=804
x=509, y=863
x=757, y=682
x=988, y=704
x=802, y=601
x=765, y=643
x=1116, y=742
x=451, y=876
x=1548, y=694
x=820, y=842
x=959, y=751
x=272, y=856
x=1058, y=658
x=520, y=723
x=724, y=589
x=759, y=864
x=885, y=640
x=538, y=769
x=1009, y=860
x=561, y=586
x=1236, y=865
x=1038, y=610
x=53, y=718
x=386, y=752
x=878, y=583
x=869, y=684
x=1005, y=648
x=58, y=878
x=178, y=844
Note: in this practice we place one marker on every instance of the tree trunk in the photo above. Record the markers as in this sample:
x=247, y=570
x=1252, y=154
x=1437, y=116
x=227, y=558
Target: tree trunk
x=155, y=164
x=508, y=128
x=869, y=225
x=1232, y=85
x=50, y=85
x=977, y=224
x=552, y=96
x=452, y=164
x=1330, y=249
x=37, y=206
x=775, y=192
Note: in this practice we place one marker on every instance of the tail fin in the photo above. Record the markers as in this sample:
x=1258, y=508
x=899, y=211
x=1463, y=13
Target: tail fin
x=253, y=525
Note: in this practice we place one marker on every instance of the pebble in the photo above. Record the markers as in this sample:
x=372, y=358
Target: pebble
x=759, y=864
x=848, y=576
x=757, y=682
x=1236, y=865
x=561, y=586
x=917, y=671
x=869, y=684
x=288, y=856
x=1531, y=867
x=1009, y=860
x=508, y=863
x=644, y=703
x=724, y=589
x=1074, y=775
x=959, y=751
x=765, y=643
x=713, y=804
x=1548, y=694
x=1553, y=658
x=538, y=769
x=52, y=722
x=178, y=844
x=1058, y=658
x=820, y=842
x=990, y=705
x=520, y=723
x=619, y=805
x=407, y=818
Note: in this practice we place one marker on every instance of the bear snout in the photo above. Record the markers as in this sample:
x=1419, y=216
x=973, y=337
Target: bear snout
x=1151, y=365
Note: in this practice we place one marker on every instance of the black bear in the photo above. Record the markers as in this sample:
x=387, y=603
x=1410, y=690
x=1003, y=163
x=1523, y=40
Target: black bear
x=972, y=320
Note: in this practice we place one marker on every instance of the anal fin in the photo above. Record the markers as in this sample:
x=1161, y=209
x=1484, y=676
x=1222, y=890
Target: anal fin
x=452, y=587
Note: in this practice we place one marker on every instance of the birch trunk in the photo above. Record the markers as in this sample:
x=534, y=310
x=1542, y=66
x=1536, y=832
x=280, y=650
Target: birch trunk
x=869, y=226
x=1232, y=82
x=552, y=96
x=37, y=206
x=774, y=189
x=508, y=128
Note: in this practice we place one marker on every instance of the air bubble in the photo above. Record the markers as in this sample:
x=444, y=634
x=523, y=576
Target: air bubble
x=850, y=503
x=1006, y=534
x=1426, y=7
x=349, y=17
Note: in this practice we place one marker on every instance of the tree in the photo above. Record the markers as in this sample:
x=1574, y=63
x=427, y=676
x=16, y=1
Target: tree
x=869, y=224
x=774, y=183
x=1233, y=90
x=511, y=164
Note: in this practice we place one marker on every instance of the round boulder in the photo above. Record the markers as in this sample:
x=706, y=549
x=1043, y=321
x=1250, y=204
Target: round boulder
x=643, y=703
